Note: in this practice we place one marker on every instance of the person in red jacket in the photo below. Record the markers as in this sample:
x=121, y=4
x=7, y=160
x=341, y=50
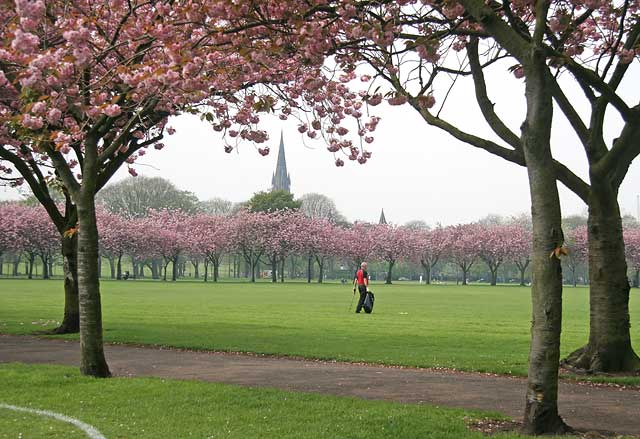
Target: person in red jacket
x=361, y=279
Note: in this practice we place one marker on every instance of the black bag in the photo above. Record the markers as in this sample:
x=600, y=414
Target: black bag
x=368, y=302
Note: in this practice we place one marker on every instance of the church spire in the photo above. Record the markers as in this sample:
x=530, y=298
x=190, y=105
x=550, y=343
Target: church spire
x=382, y=220
x=281, y=179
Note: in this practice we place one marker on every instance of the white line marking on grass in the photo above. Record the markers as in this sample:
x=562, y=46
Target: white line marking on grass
x=91, y=431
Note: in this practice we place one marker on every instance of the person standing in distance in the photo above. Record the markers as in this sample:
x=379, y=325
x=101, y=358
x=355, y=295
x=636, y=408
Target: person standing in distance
x=361, y=279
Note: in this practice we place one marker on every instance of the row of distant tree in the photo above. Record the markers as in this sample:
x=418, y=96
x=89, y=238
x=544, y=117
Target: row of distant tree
x=150, y=225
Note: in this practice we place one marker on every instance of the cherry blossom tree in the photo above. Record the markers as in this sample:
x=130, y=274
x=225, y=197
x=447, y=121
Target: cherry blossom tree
x=356, y=243
x=250, y=237
x=578, y=250
x=318, y=242
x=428, y=247
x=521, y=248
x=115, y=239
x=632, y=247
x=168, y=232
x=594, y=43
x=464, y=247
x=391, y=243
x=210, y=235
x=88, y=87
x=496, y=246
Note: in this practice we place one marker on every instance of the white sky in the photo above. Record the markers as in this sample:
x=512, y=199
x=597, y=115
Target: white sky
x=416, y=172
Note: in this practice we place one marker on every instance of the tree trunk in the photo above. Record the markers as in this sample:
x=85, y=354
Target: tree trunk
x=1, y=266
x=50, y=265
x=292, y=273
x=216, y=269
x=320, y=269
x=464, y=274
x=274, y=268
x=16, y=267
x=541, y=409
x=119, y=268
x=523, y=269
x=389, y=272
x=174, y=272
x=494, y=276
x=112, y=266
x=309, y=269
x=31, y=261
x=282, y=262
x=45, y=267
x=196, y=269
x=71, y=320
x=154, y=270
x=636, y=279
x=427, y=273
x=609, y=347
x=93, y=362
x=253, y=271
x=206, y=269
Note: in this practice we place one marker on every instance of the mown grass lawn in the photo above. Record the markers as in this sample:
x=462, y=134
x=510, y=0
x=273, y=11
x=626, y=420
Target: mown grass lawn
x=156, y=408
x=477, y=328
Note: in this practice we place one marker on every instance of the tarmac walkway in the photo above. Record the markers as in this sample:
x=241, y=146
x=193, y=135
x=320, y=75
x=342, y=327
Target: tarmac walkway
x=583, y=406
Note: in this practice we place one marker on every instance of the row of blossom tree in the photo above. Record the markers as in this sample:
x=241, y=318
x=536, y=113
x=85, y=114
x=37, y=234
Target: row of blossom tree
x=172, y=236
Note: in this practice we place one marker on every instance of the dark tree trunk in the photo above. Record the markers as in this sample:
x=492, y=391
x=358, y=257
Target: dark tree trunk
x=427, y=272
x=45, y=267
x=50, y=266
x=119, y=268
x=609, y=347
x=196, y=269
x=30, y=263
x=112, y=266
x=389, y=272
x=174, y=272
x=1, y=266
x=253, y=271
x=93, y=362
x=71, y=320
x=522, y=268
x=155, y=272
x=320, y=262
x=292, y=273
x=309, y=269
x=134, y=268
x=16, y=267
x=206, y=269
x=465, y=271
x=636, y=279
x=216, y=268
x=274, y=268
x=541, y=409
x=282, y=261
x=493, y=269
x=164, y=278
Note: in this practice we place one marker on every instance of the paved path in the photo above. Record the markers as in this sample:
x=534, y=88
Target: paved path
x=583, y=406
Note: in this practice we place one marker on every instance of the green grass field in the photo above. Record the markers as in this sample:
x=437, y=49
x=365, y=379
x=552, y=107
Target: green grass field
x=476, y=328
x=157, y=408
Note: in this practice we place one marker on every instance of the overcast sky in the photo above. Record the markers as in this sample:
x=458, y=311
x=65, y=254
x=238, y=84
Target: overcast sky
x=416, y=172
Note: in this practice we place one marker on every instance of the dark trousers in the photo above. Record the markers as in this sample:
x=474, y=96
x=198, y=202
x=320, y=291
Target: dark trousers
x=362, y=289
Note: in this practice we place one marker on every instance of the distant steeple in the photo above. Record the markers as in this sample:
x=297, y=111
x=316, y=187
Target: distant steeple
x=382, y=220
x=281, y=179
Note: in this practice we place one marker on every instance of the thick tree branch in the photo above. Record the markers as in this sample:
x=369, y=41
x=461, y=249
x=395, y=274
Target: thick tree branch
x=486, y=106
x=38, y=188
x=489, y=146
x=615, y=164
x=508, y=38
